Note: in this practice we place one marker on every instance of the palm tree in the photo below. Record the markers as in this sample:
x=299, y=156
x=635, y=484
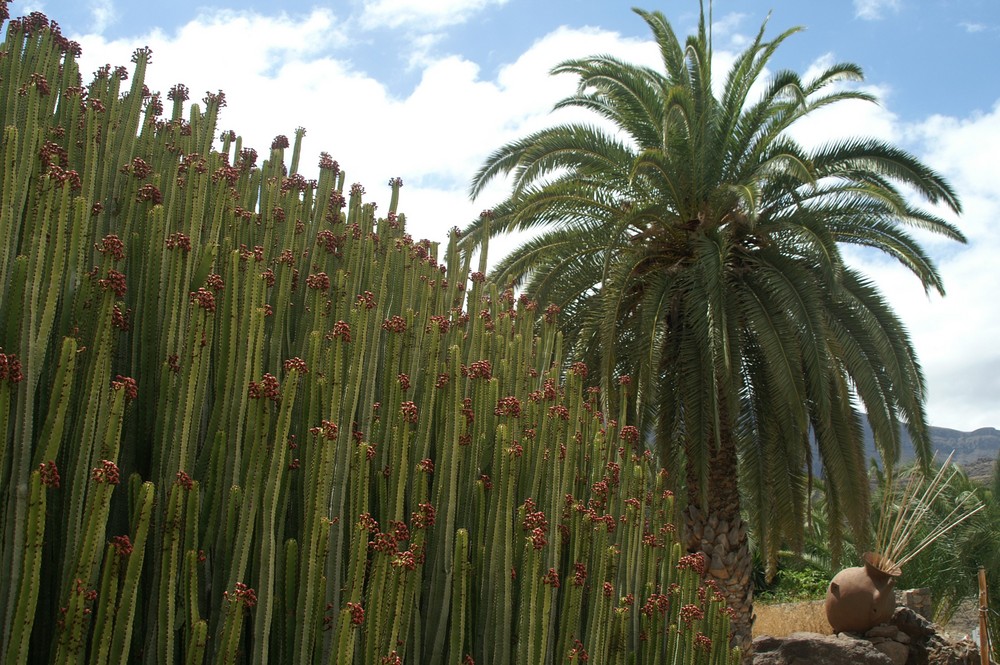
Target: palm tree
x=692, y=243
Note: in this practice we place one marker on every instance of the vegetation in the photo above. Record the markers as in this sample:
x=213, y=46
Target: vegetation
x=947, y=566
x=694, y=244
x=242, y=419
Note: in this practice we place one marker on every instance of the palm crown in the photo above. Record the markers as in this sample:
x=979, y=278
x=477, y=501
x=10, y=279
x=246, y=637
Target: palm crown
x=694, y=244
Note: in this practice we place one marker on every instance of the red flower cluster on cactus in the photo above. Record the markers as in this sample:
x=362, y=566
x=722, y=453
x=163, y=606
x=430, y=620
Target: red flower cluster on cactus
x=122, y=545
x=267, y=388
x=651, y=540
x=559, y=411
x=366, y=300
x=551, y=578
x=477, y=277
x=330, y=241
x=579, y=574
x=392, y=659
x=217, y=99
x=406, y=560
x=328, y=163
x=127, y=384
x=119, y=319
x=107, y=473
x=607, y=590
x=341, y=330
x=409, y=411
x=486, y=482
x=578, y=652
x=551, y=312
x=243, y=595
x=179, y=241
x=534, y=520
x=424, y=517
x=184, y=480
x=10, y=368
x=149, y=192
x=480, y=369
x=248, y=159
x=508, y=406
x=326, y=429
x=319, y=281
x=695, y=562
x=394, y=324
x=383, y=543
x=204, y=299
x=114, y=282
x=691, y=613
x=49, y=474
x=357, y=613
x=629, y=433
x=139, y=169
x=280, y=142
x=52, y=153
x=336, y=201
x=368, y=523
x=657, y=602
x=215, y=282
x=357, y=189
x=64, y=176
x=297, y=364
x=231, y=175
x=179, y=92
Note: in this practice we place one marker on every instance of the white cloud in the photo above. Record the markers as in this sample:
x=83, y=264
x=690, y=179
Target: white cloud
x=955, y=336
x=421, y=14
x=25, y=8
x=873, y=10
x=973, y=28
x=102, y=14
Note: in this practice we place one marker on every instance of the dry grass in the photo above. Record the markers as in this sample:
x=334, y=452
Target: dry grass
x=783, y=619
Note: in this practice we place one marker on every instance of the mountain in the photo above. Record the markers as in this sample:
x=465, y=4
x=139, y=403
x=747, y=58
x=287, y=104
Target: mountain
x=975, y=451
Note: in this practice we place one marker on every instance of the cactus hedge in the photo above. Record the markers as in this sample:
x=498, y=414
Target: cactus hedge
x=245, y=418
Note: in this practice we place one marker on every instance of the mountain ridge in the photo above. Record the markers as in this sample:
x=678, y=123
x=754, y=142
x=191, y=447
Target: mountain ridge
x=974, y=451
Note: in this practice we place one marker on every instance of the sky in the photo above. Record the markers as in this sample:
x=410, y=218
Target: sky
x=426, y=89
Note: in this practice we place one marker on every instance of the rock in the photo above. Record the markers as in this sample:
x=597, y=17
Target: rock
x=883, y=630
x=897, y=652
x=912, y=623
x=815, y=649
x=918, y=600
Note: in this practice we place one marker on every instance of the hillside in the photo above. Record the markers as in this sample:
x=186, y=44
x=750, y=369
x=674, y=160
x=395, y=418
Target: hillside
x=975, y=451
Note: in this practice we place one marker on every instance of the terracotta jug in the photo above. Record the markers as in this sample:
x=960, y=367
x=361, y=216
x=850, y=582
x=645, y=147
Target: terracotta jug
x=861, y=598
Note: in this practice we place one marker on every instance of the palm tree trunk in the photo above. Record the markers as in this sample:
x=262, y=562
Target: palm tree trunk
x=720, y=533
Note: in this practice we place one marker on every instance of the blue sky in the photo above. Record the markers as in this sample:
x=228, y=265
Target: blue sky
x=425, y=89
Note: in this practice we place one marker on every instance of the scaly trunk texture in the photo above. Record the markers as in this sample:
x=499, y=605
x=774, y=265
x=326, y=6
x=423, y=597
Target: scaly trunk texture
x=721, y=534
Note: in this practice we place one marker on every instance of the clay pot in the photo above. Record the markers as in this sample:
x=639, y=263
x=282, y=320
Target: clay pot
x=861, y=598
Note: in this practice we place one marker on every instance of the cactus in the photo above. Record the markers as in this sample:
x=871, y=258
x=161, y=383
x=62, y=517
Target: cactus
x=342, y=444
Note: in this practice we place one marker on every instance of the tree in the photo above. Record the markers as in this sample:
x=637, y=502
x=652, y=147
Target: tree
x=694, y=244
